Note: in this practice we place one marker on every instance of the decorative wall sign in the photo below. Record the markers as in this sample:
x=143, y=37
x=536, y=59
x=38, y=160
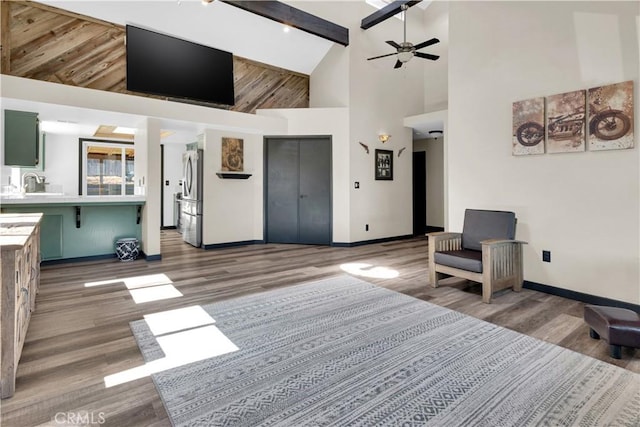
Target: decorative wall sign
x=232, y=155
x=528, y=127
x=566, y=122
x=384, y=164
x=611, y=117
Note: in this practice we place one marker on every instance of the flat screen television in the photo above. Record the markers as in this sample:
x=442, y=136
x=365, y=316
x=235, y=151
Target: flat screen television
x=167, y=66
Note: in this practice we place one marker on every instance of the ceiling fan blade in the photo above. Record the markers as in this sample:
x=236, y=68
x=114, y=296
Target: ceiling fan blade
x=427, y=43
x=392, y=43
x=381, y=56
x=398, y=64
x=426, y=56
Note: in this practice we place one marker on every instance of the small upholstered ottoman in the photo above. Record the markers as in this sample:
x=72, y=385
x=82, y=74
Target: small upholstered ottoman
x=618, y=326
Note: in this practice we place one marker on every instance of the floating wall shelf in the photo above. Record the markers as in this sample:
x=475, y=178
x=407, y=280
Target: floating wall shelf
x=233, y=175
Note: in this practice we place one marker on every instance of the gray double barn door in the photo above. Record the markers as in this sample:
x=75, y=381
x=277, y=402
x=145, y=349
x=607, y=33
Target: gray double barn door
x=298, y=190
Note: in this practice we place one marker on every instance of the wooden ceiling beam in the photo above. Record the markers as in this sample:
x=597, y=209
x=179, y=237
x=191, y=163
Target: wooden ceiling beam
x=386, y=13
x=295, y=18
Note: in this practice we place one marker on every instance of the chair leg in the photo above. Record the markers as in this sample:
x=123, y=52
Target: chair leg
x=486, y=292
x=518, y=286
x=433, y=276
x=593, y=334
x=615, y=351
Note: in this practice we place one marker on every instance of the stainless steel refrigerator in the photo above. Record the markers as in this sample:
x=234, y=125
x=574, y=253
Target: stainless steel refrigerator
x=191, y=215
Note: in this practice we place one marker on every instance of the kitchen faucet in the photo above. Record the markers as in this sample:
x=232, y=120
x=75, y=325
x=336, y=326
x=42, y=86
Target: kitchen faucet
x=37, y=177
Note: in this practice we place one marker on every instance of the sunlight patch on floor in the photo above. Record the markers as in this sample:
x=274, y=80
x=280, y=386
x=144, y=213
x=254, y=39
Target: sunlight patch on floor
x=177, y=320
x=135, y=282
x=192, y=343
x=151, y=287
x=154, y=293
x=180, y=349
x=367, y=270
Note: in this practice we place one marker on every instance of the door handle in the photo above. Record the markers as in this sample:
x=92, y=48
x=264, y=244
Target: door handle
x=302, y=196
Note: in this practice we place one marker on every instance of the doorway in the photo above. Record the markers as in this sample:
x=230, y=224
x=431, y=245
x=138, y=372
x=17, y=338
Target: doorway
x=298, y=190
x=419, y=193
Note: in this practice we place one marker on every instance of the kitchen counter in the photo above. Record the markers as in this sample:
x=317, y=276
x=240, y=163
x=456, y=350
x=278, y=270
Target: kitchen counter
x=20, y=267
x=65, y=199
x=15, y=229
x=80, y=227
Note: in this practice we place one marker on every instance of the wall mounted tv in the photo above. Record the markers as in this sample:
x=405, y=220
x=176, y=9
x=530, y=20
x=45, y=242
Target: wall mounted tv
x=167, y=66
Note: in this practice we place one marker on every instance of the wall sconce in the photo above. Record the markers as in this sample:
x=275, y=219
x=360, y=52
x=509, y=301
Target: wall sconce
x=383, y=137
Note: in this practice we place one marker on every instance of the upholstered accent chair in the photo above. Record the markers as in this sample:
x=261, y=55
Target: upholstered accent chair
x=484, y=252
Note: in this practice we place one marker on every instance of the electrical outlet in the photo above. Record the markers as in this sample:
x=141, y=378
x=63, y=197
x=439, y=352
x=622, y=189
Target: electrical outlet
x=366, y=227
x=356, y=184
x=546, y=256
x=166, y=182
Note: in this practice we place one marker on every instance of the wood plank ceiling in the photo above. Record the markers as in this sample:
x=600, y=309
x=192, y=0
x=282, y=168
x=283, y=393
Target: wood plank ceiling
x=46, y=43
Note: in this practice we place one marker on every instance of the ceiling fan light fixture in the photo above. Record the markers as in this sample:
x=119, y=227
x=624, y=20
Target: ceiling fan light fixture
x=405, y=56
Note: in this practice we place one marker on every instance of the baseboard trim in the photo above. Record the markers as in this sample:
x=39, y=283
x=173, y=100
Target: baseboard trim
x=77, y=259
x=369, y=242
x=96, y=258
x=157, y=257
x=232, y=244
x=168, y=227
x=579, y=296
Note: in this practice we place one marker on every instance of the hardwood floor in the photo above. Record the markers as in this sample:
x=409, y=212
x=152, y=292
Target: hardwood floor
x=80, y=332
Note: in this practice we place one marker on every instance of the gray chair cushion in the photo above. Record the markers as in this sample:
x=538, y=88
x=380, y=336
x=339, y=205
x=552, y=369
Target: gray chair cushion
x=482, y=225
x=463, y=259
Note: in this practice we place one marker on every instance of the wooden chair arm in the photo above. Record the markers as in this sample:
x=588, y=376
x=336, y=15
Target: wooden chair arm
x=496, y=242
x=443, y=235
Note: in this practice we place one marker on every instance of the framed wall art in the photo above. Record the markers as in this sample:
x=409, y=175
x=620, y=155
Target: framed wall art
x=566, y=122
x=528, y=127
x=384, y=164
x=611, y=116
x=232, y=155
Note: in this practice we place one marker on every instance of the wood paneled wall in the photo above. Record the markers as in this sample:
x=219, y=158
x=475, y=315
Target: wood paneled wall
x=46, y=43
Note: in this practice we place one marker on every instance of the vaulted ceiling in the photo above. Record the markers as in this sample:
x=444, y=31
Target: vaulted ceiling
x=226, y=27
x=217, y=25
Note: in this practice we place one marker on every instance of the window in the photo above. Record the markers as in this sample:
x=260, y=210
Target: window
x=106, y=168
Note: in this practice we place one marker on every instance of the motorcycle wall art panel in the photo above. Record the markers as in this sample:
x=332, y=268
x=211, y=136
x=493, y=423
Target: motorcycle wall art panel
x=566, y=122
x=232, y=155
x=528, y=127
x=611, y=117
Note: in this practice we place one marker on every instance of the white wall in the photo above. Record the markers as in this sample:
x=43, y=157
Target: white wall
x=436, y=24
x=60, y=165
x=172, y=168
x=140, y=106
x=333, y=68
x=147, y=182
x=61, y=162
x=583, y=207
x=232, y=208
x=379, y=97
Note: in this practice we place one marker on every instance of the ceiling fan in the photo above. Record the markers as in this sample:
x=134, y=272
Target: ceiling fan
x=407, y=50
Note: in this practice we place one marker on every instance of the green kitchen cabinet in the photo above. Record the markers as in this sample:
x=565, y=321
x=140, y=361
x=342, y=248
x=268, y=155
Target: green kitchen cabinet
x=21, y=139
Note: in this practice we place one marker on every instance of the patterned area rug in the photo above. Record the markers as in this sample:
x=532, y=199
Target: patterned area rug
x=344, y=352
